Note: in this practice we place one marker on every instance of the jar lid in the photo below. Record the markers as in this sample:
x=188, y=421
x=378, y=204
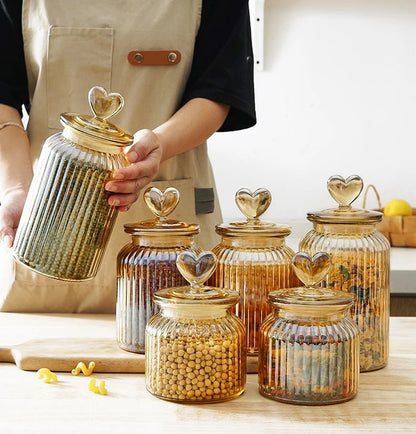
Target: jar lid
x=345, y=192
x=253, y=205
x=93, y=130
x=161, y=204
x=197, y=270
x=311, y=271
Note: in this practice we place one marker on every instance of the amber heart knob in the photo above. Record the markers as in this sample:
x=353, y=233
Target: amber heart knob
x=196, y=269
x=103, y=104
x=253, y=205
x=161, y=203
x=311, y=270
x=345, y=191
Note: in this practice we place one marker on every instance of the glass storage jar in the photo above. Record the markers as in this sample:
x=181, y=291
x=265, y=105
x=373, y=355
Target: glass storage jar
x=195, y=345
x=360, y=265
x=147, y=264
x=253, y=259
x=67, y=221
x=309, y=345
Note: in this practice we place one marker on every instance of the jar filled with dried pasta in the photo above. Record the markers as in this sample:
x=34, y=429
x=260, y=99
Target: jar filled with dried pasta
x=360, y=265
x=309, y=345
x=66, y=221
x=148, y=263
x=195, y=345
x=253, y=259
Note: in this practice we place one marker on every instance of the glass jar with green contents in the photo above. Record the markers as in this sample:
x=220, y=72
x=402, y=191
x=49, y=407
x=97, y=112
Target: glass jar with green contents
x=148, y=264
x=67, y=221
x=195, y=345
x=360, y=265
x=309, y=345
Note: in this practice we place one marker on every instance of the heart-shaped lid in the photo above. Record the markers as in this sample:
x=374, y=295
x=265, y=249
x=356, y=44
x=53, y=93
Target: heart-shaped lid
x=94, y=131
x=344, y=192
x=253, y=205
x=311, y=271
x=197, y=269
x=161, y=204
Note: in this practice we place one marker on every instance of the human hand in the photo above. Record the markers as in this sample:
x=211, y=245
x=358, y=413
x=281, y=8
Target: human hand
x=11, y=209
x=144, y=155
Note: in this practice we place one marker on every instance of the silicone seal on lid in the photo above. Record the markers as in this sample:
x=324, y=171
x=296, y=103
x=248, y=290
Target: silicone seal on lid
x=94, y=131
x=253, y=205
x=161, y=204
x=311, y=271
x=345, y=191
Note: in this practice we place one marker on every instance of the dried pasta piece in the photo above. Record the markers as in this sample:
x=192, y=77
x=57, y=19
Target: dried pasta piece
x=47, y=376
x=81, y=367
x=92, y=386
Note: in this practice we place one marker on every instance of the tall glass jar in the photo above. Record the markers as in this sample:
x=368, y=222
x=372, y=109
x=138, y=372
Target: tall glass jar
x=309, y=345
x=66, y=221
x=147, y=264
x=253, y=259
x=360, y=265
x=195, y=345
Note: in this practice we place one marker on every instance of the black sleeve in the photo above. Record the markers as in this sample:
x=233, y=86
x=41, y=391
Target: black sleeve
x=222, y=68
x=13, y=80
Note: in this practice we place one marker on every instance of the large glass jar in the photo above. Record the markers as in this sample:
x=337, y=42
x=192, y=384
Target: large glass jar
x=195, y=345
x=360, y=265
x=309, y=345
x=67, y=221
x=147, y=264
x=253, y=259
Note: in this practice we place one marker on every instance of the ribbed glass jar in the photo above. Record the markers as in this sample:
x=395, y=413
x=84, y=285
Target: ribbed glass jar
x=66, y=221
x=308, y=354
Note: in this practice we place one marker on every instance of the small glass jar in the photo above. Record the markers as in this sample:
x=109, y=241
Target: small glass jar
x=195, y=345
x=309, y=345
x=147, y=264
x=66, y=221
x=253, y=259
x=360, y=265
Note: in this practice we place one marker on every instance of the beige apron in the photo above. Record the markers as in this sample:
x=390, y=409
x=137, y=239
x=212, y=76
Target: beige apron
x=70, y=46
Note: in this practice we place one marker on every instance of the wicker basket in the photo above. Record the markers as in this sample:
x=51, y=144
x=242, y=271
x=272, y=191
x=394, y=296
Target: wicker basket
x=399, y=230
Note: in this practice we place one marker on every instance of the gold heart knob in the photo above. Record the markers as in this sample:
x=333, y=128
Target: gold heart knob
x=345, y=191
x=311, y=270
x=196, y=269
x=103, y=104
x=161, y=203
x=253, y=205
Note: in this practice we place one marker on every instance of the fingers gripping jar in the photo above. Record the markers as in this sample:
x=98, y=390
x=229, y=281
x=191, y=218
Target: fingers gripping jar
x=195, y=345
x=360, y=265
x=147, y=264
x=67, y=221
x=253, y=259
x=309, y=345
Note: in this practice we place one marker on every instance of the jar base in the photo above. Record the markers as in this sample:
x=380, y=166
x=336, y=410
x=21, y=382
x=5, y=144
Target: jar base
x=197, y=400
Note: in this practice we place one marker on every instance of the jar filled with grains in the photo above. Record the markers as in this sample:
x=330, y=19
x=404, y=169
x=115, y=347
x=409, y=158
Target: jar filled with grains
x=66, y=221
x=309, y=345
x=360, y=265
x=253, y=259
x=195, y=346
x=147, y=264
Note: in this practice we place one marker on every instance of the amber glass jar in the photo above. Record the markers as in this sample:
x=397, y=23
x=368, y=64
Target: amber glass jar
x=147, y=264
x=309, y=345
x=360, y=265
x=195, y=345
x=67, y=221
x=253, y=259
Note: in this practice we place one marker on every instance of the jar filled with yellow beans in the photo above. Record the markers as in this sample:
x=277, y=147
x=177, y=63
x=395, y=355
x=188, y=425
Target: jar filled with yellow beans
x=66, y=221
x=253, y=259
x=148, y=264
x=195, y=346
x=360, y=265
x=309, y=345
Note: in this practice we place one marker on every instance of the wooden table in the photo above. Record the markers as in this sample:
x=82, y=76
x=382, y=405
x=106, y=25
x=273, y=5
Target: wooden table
x=386, y=401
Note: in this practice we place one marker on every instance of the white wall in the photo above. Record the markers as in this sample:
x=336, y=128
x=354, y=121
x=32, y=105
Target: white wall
x=337, y=95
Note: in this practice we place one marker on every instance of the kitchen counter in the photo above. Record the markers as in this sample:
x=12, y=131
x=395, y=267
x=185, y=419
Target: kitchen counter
x=386, y=400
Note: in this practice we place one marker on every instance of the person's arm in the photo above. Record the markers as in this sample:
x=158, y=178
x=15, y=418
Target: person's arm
x=190, y=126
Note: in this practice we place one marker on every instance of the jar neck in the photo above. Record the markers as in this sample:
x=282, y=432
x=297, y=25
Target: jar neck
x=310, y=314
x=248, y=242
x=344, y=228
x=192, y=311
x=165, y=240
